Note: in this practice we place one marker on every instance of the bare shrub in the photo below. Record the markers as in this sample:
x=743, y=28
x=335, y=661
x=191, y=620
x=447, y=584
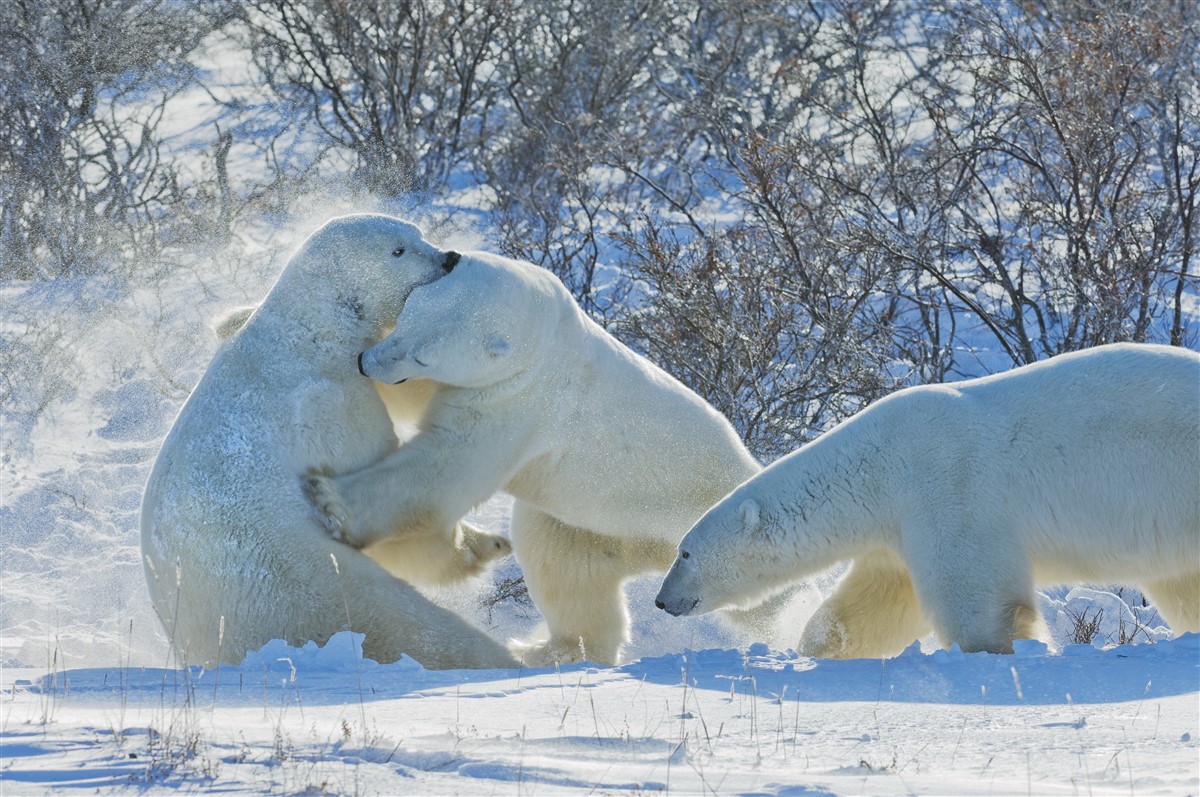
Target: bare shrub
x=1085, y=629
x=506, y=589
x=919, y=201
x=402, y=87
x=733, y=318
x=1061, y=215
x=38, y=362
x=82, y=174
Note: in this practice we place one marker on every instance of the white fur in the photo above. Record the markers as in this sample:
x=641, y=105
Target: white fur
x=235, y=556
x=611, y=459
x=955, y=500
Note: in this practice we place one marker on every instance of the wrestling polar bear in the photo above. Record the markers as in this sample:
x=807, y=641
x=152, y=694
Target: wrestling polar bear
x=234, y=554
x=609, y=458
x=955, y=500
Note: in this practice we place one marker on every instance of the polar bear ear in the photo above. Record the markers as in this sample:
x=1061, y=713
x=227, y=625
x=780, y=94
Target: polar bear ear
x=497, y=347
x=749, y=510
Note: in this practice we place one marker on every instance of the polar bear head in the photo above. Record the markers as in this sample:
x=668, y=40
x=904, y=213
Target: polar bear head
x=725, y=560
x=489, y=319
x=350, y=278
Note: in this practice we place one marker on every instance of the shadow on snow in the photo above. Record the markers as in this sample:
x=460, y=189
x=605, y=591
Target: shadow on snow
x=1030, y=676
x=337, y=673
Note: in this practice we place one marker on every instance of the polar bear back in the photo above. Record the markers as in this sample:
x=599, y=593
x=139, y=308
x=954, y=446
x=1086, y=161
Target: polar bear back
x=1089, y=458
x=631, y=426
x=614, y=418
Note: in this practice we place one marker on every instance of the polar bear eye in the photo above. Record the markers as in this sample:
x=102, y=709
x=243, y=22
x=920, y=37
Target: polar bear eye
x=398, y=251
x=684, y=554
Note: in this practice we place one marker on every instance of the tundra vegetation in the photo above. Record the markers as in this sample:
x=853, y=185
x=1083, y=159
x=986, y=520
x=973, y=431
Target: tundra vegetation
x=795, y=209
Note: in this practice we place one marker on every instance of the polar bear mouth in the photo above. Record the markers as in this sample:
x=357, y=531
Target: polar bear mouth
x=677, y=608
x=363, y=371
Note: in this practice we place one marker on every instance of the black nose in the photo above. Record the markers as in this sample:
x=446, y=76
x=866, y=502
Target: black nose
x=360, y=369
x=451, y=261
x=660, y=604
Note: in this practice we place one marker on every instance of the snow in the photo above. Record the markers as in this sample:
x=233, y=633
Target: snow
x=720, y=721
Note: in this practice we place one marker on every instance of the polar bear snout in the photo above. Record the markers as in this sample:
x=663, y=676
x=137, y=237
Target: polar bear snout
x=370, y=366
x=362, y=370
x=678, y=595
x=451, y=261
x=677, y=607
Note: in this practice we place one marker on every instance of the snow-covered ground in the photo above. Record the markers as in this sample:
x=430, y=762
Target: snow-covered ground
x=753, y=721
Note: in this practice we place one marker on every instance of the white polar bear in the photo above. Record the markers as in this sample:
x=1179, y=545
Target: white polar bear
x=609, y=458
x=955, y=500
x=234, y=554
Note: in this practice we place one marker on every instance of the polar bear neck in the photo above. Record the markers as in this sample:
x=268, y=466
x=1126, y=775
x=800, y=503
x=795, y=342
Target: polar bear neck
x=296, y=337
x=838, y=496
x=531, y=383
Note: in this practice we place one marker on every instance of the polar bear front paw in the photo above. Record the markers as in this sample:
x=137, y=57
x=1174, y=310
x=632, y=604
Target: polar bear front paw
x=824, y=637
x=548, y=652
x=332, y=512
x=479, y=548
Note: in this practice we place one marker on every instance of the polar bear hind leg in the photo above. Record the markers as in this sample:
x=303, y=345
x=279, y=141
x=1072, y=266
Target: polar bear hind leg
x=1178, y=601
x=397, y=619
x=432, y=560
x=307, y=587
x=574, y=578
x=872, y=612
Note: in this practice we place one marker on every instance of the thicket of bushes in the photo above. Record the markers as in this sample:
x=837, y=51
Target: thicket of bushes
x=792, y=207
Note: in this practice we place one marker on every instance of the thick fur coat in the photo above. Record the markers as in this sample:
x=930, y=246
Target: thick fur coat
x=610, y=459
x=954, y=501
x=235, y=555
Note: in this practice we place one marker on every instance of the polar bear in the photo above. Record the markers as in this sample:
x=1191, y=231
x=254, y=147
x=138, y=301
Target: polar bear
x=234, y=554
x=955, y=500
x=610, y=459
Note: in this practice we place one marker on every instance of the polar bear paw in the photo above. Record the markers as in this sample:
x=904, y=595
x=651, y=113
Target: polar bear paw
x=824, y=637
x=548, y=652
x=479, y=548
x=332, y=512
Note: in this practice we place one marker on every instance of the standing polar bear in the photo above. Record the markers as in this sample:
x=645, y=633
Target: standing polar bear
x=234, y=554
x=955, y=500
x=609, y=458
